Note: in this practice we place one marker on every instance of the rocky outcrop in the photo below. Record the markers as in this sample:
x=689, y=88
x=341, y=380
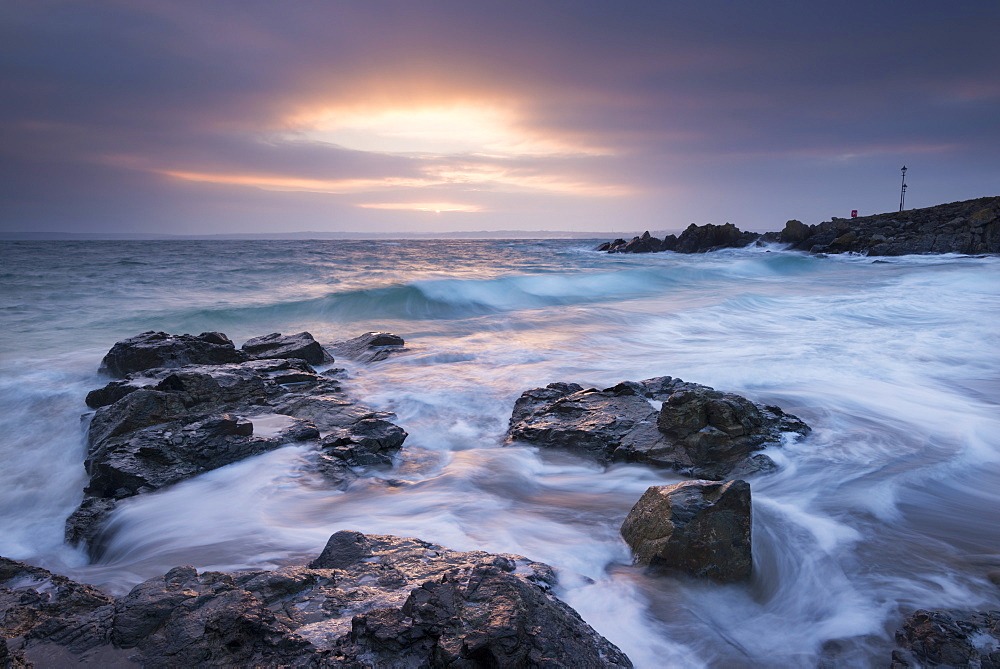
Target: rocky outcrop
x=701, y=528
x=278, y=346
x=694, y=239
x=645, y=243
x=711, y=237
x=664, y=421
x=948, y=639
x=369, y=347
x=970, y=227
x=159, y=426
x=367, y=601
x=159, y=349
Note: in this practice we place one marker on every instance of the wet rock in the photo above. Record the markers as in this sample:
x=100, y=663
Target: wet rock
x=159, y=349
x=109, y=394
x=948, y=639
x=84, y=525
x=276, y=345
x=370, y=441
x=158, y=456
x=664, y=421
x=699, y=527
x=169, y=424
x=367, y=600
x=134, y=411
x=710, y=237
x=31, y=595
x=694, y=239
x=328, y=412
x=645, y=243
x=369, y=347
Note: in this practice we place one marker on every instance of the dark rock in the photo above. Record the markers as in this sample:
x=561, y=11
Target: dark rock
x=710, y=237
x=794, y=232
x=370, y=441
x=369, y=347
x=645, y=243
x=328, y=412
x=248, y=383
x=31, y=595
x=169, y=424
x=342, y=550
x=276, y=345
x=84, y=525
x=367, y=601
x=613, y=246
x=134, y=411
x=697, y=430
x=695, y=239
x=699, y=527
x=969, y=227
x=158, y=456
x=109, y=394
x=948, y=639
x=159, y=349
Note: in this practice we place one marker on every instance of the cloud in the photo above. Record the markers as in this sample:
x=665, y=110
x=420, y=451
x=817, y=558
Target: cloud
x=533, y=110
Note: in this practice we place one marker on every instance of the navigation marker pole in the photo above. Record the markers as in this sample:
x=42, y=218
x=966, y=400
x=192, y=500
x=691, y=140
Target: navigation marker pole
x=902, y=191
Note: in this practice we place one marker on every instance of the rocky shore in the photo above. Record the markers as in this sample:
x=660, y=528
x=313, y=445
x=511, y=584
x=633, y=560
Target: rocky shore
x=366, y=601
x=969, y=227
x=181, y=405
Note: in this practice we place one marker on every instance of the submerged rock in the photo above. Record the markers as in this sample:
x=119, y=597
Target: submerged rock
x=369, y=347
x=948, y=639
x=159, y=349
x=663, y=421
x=158, y=426
x=366, y=601
x=702, y=528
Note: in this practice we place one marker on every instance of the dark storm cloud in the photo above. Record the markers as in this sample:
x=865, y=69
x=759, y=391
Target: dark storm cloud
x=168, y=115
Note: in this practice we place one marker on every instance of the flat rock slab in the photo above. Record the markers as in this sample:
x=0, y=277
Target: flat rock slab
x=702, y=528
x=367, y=601
x=277, y=345
x=159, y=349
x=369, y=347
x=664, y=421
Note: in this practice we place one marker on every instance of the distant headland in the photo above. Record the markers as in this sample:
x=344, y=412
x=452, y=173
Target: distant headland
x=970, y=227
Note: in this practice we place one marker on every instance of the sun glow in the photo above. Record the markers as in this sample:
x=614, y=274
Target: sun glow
x=436, y=207
x=460, y=128
x=456, y=148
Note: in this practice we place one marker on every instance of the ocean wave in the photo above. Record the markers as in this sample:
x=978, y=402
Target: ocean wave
x=450, y=298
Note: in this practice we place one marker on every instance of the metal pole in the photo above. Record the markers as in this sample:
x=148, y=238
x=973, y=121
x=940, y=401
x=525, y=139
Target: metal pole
x=902, y=190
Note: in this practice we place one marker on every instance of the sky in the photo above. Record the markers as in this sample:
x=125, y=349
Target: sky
x=210, y=116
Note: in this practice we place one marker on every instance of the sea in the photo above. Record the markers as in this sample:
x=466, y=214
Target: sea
x=889, y=505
